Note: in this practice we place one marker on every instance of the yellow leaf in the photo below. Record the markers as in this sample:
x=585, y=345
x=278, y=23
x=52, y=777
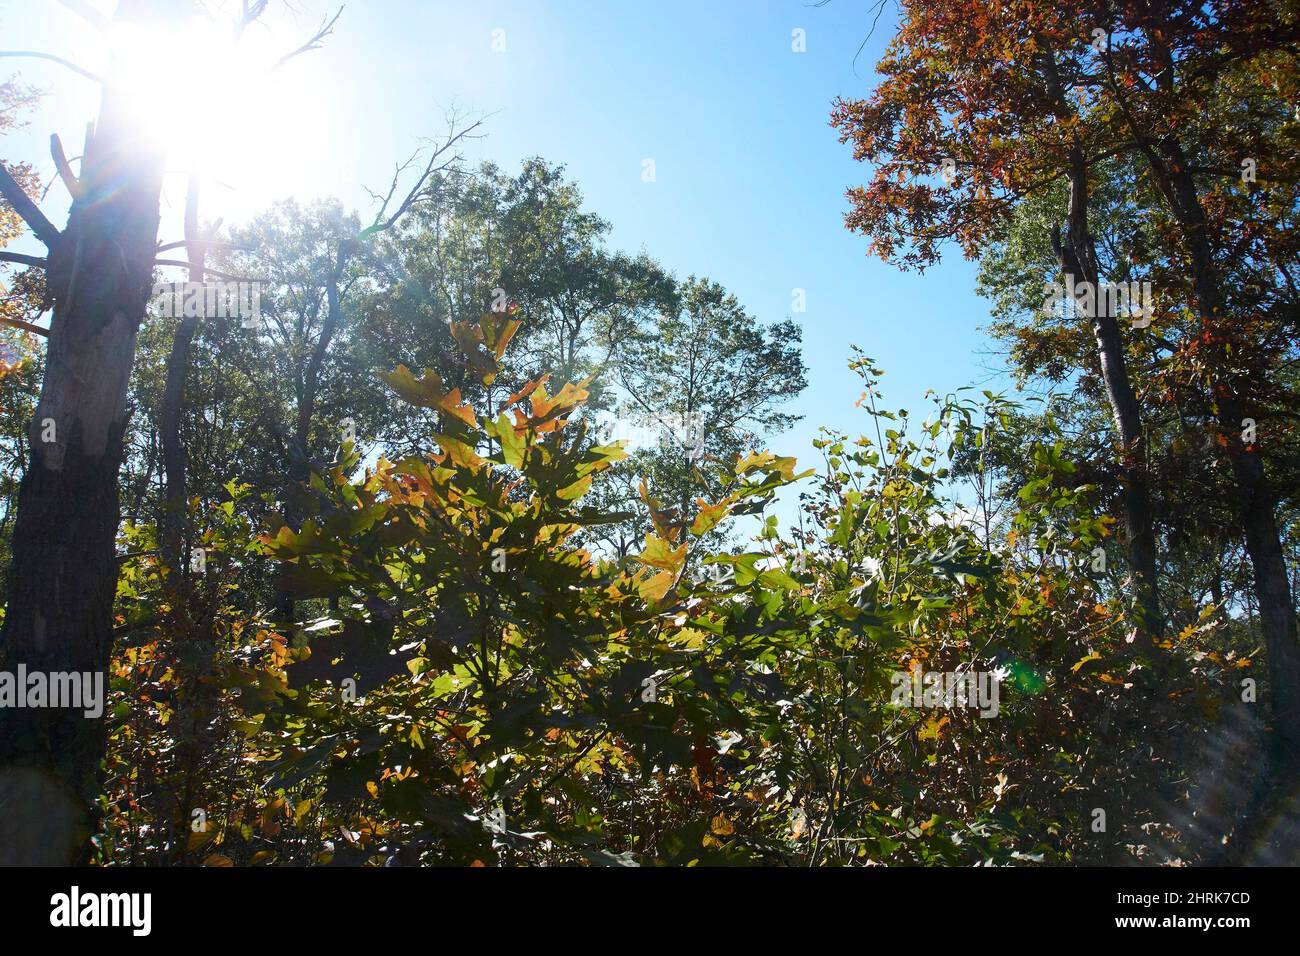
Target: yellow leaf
x=524, y=392
x=654, y=589
x=722, y=826
x=1094, y=656
x=428, y=392
x=498, y=329
x=459, y=452
x=666, y=531
x=932, y=729
x=217, y=859
x=709, y=515
x=545, y=407
x=657, y=553
x=575, y=490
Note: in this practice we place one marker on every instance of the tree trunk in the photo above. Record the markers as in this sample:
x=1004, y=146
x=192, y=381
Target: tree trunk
x=299, y=471
x=175, y=511
x=1255, y=499
x=1255, y=502
x=64, y=569
x=1079, y=258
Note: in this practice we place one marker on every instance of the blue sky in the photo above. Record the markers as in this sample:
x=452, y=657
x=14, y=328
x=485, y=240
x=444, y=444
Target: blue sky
x=750, y=178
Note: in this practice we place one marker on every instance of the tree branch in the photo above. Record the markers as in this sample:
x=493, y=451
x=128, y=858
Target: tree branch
x=210, y=243
x=25, y=326
x=37, y=55
x=213, y=272
x=326, y=28
x=433, y=166
x=23, y=260
x=249, y=14
x=64, y=167
x=28, y=210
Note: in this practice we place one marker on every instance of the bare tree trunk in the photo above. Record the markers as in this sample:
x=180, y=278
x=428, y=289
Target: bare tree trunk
x=299, y=458
x=441, y=158
x=175, y=511
x=1079, y=258
x=1256, y=501
x=64, y=570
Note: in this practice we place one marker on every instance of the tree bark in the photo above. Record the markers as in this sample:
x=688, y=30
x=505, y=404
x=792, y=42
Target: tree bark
x=175, y=510
x=299, y=470
x=64, y=571
x=1256, y=502
x=1079, y=258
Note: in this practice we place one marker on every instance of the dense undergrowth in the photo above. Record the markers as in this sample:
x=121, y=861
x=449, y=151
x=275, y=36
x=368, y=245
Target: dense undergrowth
x=476, y=687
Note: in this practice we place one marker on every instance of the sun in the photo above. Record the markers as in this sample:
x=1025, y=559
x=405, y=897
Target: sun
x=223, y=103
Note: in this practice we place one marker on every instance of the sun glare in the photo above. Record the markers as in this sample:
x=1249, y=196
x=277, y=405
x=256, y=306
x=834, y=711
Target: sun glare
x=218, y=103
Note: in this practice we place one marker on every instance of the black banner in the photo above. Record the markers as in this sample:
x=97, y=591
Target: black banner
x=140, y=907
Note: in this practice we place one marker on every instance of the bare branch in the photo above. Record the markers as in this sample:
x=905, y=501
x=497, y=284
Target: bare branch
x=25, y=326
x=49, y=183
x=326, y=28
x=249, y=14
x=131, y=556
x=392, y=187
x=22, y=260
x=210, y=243
x=37, y=55
x=28, y=210
x=439, y=161
x=65, y=169
x=220, y=275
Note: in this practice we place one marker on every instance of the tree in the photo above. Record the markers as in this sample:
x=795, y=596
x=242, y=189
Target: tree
x=1157, y=71
x=316, y=259
x=523, y=244
x=98, y=277
x=985, y=98
x=705, y=385
x=61, y=580
x=1036, y=101
x=20, y=303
